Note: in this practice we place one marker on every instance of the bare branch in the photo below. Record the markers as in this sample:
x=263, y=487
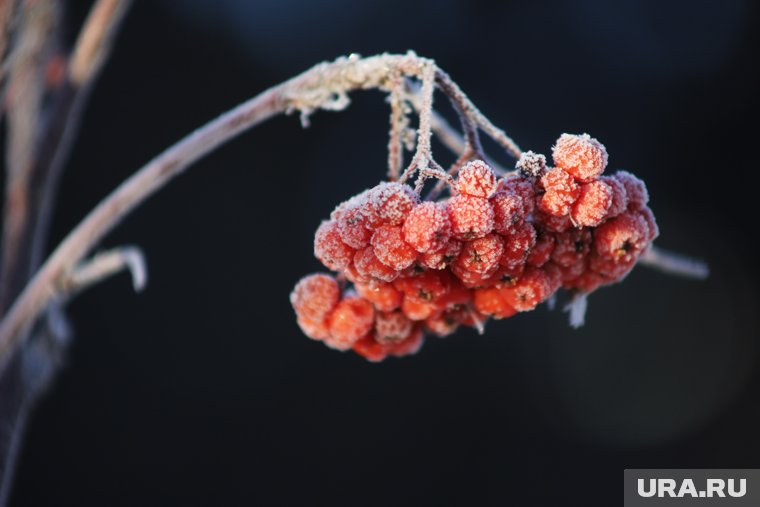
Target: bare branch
x=104, y=265
x=674, y=264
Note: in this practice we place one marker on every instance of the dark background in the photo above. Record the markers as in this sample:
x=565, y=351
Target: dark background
x=203, y=391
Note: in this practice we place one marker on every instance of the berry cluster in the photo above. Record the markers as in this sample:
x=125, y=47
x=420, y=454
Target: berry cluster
x=496, y=247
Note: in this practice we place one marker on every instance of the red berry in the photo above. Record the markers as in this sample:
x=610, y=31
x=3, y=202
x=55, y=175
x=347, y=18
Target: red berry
x=391, y=249
x=369, y=266
x=619, y=196
x=518, y=245
x=571, y=246
x=329, y=248
x=635, y=189
x=471, y=217
x=580, y=155
x=315, y=329
x=476, y=179
x=471, y=279
x=587, y=282
x=654, y=230
x=445, y=323
x=441, y=259
x=592, y=205
x=370, y=349
x=427, y=228
x=383, y=296
x=426, y=286
x=392, y=202
x=352, y=228
x=612, y=269
x=561, y=191
x=571, y=272
x=508, y=211
x=351, y=319
x=532, y=288
x=314, y=296
x=551, y=223
x=622, y=238
x=542, y=251
x=416, y=309
x=481, y=255
x=522, y=187
x=490, y=301
x=410, y=345
x=392, y=327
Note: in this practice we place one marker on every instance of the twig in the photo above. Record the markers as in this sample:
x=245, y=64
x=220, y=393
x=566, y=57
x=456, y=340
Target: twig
x=674, y=264
x=398, y=125
x=8, y=21
x=324, y=86
x=105, y=264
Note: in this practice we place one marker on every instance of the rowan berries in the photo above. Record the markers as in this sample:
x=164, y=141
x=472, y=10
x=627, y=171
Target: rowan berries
x=351, y=319
x=471, y=217
x=592, y=205
x=508, y=211
x=330, y=249
x=635, y=189
x=561, y=191
x=391, y=249
x=476, y=179
x=580, y=155
x=427, y=228
x=494, y=248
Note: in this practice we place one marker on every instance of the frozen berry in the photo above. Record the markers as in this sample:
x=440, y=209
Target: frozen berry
x=440, y=259
x=417, y=309
x=622, y=238
x=532, y=288
x=330, y=249
x=561, y=191
x=391, y=249
x=542, y=251
x=314, y=296
x=635, y=189
x=369, y=266
x=490, y=301
x=654, y=230
x=392, y=327
x=592, y=205
x=508, y=211
x=471, y=217
x=370, y=349
x=518, y=245
x=481, y=255
x=315, y=329
x=351, y=319
x=522, y=187
x=427, y=228
x=351, y=228
x=383, y=296
x=571, y=246
x=425, y=286
x=580, y=155
x=476, y=179
x=392, y=202
x=409, y=345
x=619, y=196
x=531, y=165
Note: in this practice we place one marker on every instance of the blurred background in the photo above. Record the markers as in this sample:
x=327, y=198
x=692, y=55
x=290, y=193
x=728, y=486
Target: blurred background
x=203, y=391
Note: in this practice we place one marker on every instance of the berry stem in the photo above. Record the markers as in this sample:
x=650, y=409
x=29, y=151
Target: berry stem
x=674, y=264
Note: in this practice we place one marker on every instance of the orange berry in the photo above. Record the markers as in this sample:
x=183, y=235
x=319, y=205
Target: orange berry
x=580, y=155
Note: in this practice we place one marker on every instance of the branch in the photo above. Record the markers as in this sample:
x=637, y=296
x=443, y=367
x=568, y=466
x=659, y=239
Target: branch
x=324, y=86
x=674, y=264
x=105, y=265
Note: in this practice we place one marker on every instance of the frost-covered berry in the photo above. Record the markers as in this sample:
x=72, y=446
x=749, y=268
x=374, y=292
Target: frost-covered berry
x=471, y=217
x=477, y=179
x=330, y=249
x=440, y=259
x=369, y=266
x=314, y=296
x=542, y=251
x=635, y=189
x=391, y=249
x=392, y=202
x=426, y=286
x=531, y=165
x=654, y=230
x=351, y=319
x=571, y=246
x=352, y=228
x=417, y=309
x=533, y=287
x=561, y=191
x=382, y=295
x=622, y=238
x=580, y=155
x=508, y=211
x=592, y=205
x=619, y=196
x=481, y=255
x=571, y=272
x=392, y=327
x=427, y=228
x=490, y=301
x=370, y=349
x=316, y=329
x=518, y=245
x=410, y=345
x=550, y=223
x=522, y=187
